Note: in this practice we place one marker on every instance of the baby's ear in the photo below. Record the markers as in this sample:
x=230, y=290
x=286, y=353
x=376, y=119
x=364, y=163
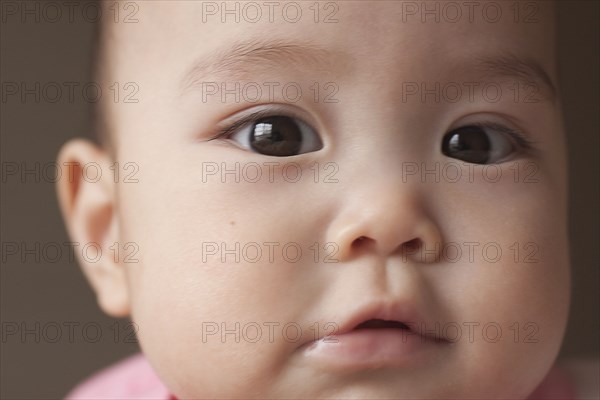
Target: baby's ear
x=86, y=193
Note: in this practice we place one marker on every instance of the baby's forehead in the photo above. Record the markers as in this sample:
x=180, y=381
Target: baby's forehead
x=367, y=30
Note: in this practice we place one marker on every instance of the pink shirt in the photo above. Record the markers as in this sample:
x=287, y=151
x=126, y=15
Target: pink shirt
x=134, y=378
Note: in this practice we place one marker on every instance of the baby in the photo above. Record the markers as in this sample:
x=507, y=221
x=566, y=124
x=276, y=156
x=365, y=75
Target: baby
x=407, y=239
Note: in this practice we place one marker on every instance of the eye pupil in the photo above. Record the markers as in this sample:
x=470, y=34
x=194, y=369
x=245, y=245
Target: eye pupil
x=469, y=144
x=276, y=136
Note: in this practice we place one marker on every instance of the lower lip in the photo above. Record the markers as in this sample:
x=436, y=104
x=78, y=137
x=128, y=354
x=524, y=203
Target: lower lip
x=371, y=348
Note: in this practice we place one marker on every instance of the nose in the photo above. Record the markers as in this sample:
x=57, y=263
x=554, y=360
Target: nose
x=388, y=222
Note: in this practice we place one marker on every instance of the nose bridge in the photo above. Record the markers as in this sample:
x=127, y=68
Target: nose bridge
x=382, y=134
x=379, y=210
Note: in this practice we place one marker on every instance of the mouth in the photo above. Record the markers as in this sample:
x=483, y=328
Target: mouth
x=377, y=336
x=404, y=329
x=382, y=324
x=403, y=318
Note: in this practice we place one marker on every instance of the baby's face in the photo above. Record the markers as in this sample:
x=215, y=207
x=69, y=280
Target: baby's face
x=324, y=210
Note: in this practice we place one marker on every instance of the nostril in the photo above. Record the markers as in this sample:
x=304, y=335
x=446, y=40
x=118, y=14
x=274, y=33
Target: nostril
x=412, y=245
x=359, y=241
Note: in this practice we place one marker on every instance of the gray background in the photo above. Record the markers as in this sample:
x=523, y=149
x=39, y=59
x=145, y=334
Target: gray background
x=52, y=293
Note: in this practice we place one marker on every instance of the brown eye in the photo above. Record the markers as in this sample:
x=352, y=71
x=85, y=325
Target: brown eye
x=278, y=136
x=474, y=145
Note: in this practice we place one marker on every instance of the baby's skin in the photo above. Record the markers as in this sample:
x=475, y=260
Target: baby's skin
x=344, y=201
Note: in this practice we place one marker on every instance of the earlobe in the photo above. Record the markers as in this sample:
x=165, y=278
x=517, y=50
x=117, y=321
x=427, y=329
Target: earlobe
x=86, y=193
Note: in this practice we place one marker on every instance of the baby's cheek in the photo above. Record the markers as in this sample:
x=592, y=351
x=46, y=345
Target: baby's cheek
x=516, y=301
x=194, y=315
x=196, y=336
x=511, y=323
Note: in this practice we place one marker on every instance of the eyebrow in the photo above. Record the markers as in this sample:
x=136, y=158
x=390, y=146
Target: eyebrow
x=245, y=59
x=524, y=70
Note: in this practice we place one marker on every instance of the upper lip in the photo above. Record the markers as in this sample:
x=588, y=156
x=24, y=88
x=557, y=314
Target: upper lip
x=399, y=312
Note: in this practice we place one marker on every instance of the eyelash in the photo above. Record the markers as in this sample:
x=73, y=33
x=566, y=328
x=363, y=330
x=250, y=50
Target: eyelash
x=521, y=139
x=247, y=119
